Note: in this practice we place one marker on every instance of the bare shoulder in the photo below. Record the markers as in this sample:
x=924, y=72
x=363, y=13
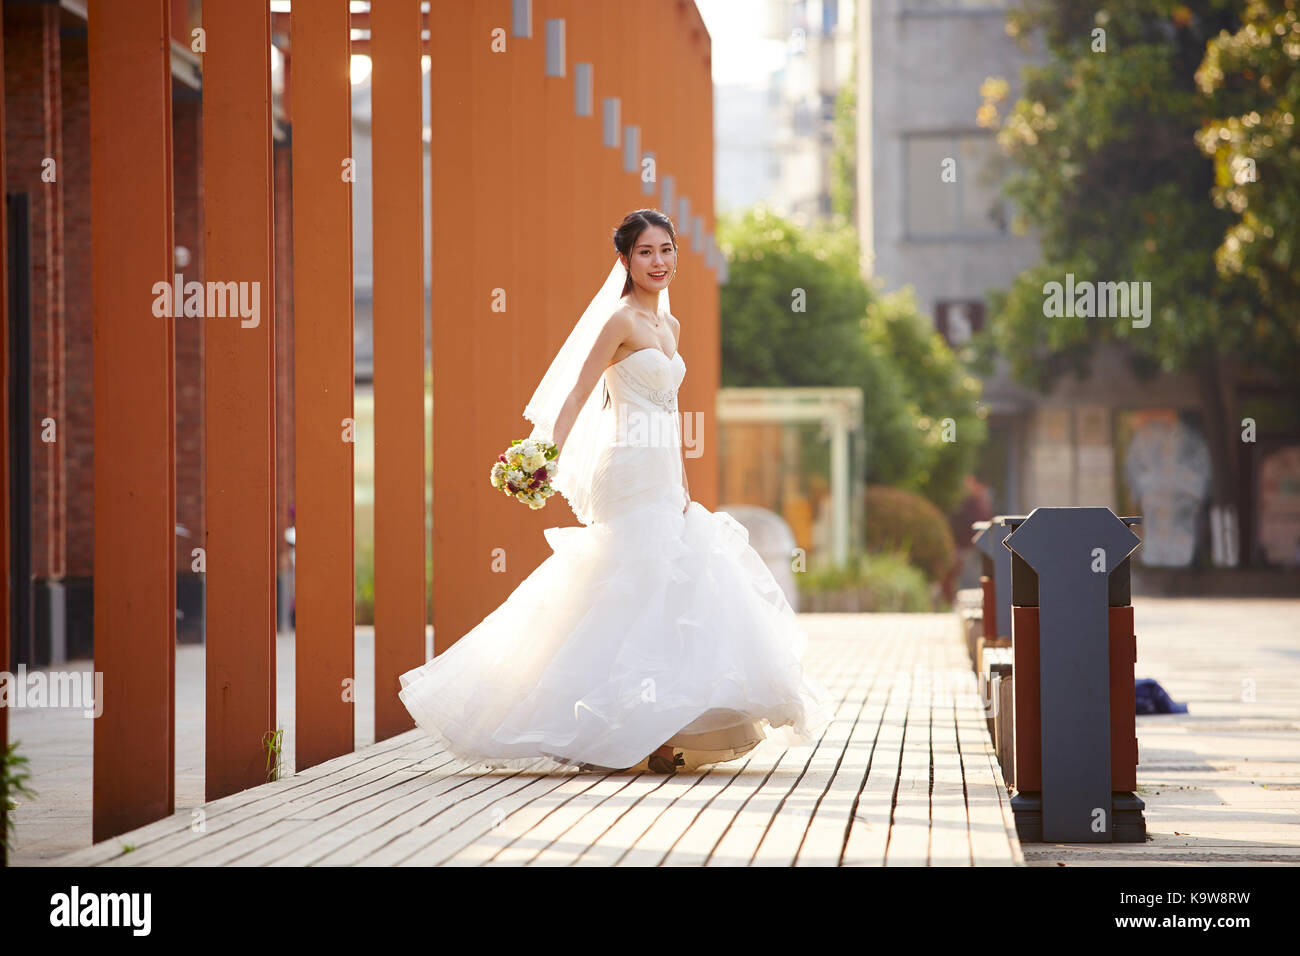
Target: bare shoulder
x=676, y=327
x=622, y=317
x=621, y=322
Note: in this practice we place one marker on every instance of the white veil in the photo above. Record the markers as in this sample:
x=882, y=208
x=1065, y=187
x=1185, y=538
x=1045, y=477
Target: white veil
x=588, y=437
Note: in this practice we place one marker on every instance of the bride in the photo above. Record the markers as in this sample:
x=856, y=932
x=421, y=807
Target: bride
x=654, y=635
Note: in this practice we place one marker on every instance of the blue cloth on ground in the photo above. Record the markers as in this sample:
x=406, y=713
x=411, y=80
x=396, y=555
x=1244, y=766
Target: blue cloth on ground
x=1154, y=699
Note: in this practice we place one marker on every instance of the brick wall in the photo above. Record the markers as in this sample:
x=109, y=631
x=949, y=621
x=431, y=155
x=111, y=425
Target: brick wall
x=33, y=118
x=78, y=316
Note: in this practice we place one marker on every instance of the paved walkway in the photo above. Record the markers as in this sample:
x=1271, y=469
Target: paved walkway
x=903, y=776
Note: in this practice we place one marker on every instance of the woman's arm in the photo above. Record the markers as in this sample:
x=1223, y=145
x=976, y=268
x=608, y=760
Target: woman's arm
x=616, y=330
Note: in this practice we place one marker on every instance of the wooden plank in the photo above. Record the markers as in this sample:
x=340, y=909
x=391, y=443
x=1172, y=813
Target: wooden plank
x=781, y=845
x=686, y=795
x=613, y=842
x=239, y=398
x=314, y=779
x=135, y=429
x=743, y=833
x=354, y=829
x=824, y=842
x=909, y=831
x=323, y=364
x=479, y=796
x=588, y=831
x=227, y=845
x=486, y=818
x=987, y=803
x=328, y=825
x=398, y=199
x=550, y=842
x=752, y=819
x=218, y=835
x=396, y=837
x=871, y=813
x=517, y=837
x=699, y=840
x=949, y=824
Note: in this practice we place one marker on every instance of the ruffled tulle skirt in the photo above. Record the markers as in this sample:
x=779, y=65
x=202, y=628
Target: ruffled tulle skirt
x=652, y=627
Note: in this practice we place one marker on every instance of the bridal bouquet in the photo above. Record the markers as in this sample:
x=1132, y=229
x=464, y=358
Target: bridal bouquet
x=524, y=471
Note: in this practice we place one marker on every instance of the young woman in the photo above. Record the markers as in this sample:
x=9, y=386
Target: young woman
x=654, y=635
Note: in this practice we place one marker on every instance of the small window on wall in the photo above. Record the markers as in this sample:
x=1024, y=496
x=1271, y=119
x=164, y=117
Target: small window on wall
x=951, y=186
x=958, y=320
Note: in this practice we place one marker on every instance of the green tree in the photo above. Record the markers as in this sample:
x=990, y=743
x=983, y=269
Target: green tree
x=844, y=157
x=1251, y=81
x=1108, y=169
x=939, y=393
x=797, y=312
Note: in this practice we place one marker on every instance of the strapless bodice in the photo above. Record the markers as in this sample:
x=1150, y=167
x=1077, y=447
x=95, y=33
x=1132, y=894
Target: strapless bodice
x=647, y=377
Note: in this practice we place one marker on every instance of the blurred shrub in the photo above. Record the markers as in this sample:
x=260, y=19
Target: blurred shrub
x=901, y=521
x=867, y=582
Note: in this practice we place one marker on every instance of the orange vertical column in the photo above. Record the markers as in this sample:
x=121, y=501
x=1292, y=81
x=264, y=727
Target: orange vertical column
x=323, y=381
x=544, y=141
x=620, y=36
x=239, y=395
x=674, y=144
x=5, y=570
x=398, y=163
x=456, y=328
x=685, y=44
x=502, y=306
x=134, y=469
x=607, y=82
x=700, y=74
x=543, y=256
x=578, y=168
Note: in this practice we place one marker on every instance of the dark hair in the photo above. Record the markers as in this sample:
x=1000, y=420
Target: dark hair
x=630, y=229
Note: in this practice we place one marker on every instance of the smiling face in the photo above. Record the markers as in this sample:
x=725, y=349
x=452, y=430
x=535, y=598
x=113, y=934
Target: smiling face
x=654, y=259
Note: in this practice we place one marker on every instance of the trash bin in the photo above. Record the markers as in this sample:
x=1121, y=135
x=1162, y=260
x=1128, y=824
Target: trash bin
x=1074, y=649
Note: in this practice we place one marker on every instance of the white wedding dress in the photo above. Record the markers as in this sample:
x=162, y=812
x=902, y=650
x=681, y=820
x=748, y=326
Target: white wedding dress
x=648, y=626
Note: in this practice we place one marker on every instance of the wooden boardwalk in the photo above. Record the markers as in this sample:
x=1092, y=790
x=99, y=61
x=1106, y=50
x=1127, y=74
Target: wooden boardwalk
x=904, y=776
